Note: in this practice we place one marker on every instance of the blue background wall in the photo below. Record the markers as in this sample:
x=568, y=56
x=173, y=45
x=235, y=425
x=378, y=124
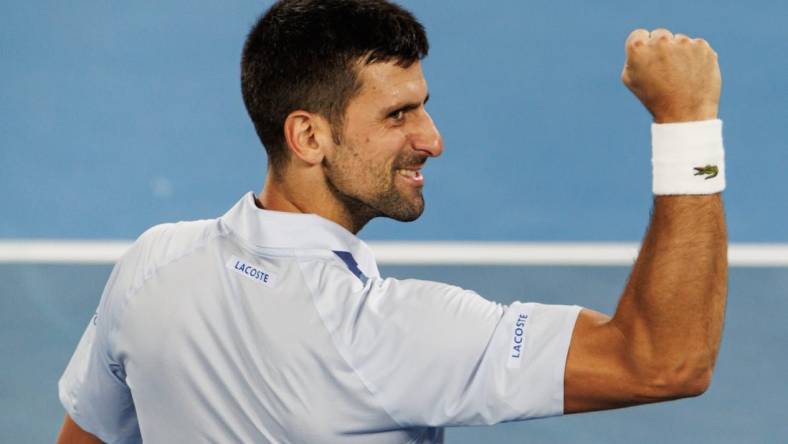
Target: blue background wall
x=115, y=116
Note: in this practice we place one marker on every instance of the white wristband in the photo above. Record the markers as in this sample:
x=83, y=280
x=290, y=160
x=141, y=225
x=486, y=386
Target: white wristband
x=688, y=157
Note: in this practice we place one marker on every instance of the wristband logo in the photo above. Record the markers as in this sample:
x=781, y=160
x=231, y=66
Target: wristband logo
x=709, y=170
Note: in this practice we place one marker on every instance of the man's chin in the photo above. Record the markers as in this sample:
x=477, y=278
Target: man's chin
x=407, y=212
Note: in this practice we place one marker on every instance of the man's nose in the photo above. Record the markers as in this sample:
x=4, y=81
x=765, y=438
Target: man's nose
x=426, y=136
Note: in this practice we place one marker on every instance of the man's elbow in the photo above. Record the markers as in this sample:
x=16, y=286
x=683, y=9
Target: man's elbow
x=678, y=382
x=694, y=384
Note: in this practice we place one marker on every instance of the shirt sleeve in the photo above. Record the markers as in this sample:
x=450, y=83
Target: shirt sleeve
x=437, y=355
x=93, y=389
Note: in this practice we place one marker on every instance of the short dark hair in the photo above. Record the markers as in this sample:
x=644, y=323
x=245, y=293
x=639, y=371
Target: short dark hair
x=303, y=54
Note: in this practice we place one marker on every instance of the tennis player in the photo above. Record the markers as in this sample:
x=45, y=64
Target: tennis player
x=272, y=323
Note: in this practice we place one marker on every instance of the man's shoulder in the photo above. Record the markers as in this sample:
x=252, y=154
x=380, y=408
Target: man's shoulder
x=163, y=244
x=177, y=235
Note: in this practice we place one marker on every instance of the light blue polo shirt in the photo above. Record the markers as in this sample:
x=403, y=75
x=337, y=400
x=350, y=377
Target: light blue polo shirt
x=265, y=326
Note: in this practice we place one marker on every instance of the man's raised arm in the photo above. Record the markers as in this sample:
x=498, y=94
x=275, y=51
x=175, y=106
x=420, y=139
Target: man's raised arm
x=663, y=340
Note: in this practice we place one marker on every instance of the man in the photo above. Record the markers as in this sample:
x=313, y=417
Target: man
x=272, y=323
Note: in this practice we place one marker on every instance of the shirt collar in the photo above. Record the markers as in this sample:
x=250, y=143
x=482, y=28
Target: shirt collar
x=279, y=229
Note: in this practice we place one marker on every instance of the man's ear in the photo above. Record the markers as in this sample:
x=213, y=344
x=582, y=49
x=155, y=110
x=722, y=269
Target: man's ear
x=307, y=135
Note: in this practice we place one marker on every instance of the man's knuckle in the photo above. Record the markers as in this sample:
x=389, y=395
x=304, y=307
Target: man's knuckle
x=625, y=75
x=661, y=34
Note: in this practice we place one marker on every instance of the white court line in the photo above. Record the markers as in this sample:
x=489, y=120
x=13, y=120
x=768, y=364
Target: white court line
x=415, y=253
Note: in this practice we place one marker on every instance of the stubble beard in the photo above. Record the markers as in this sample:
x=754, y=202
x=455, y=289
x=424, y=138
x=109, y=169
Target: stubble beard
x=386, y=200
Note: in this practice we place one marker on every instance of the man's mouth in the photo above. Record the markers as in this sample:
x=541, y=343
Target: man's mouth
x=412, y=175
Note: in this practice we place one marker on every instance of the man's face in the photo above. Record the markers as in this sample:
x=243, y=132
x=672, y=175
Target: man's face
x=386, y=139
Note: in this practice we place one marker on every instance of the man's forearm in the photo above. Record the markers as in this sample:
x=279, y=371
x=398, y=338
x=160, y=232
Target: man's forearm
x=663, y=340
x=672, y=309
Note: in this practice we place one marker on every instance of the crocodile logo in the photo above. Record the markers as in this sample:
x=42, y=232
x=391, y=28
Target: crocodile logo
x=709, y=170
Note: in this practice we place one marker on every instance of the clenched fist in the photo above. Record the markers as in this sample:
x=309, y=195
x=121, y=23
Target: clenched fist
x=675, y=77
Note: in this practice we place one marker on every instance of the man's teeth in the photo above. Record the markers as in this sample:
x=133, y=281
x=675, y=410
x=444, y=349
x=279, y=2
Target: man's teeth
x=409, y=173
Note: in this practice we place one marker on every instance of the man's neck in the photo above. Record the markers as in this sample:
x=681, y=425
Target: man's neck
x=307, y=198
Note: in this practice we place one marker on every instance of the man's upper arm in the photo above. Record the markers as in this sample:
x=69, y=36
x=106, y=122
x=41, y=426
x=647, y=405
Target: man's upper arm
x=93, y=388
x=596, y=375
x=437, y=355
x=602, y=372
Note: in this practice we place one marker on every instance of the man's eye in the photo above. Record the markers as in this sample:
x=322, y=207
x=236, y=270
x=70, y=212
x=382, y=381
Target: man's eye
x=397, y=115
